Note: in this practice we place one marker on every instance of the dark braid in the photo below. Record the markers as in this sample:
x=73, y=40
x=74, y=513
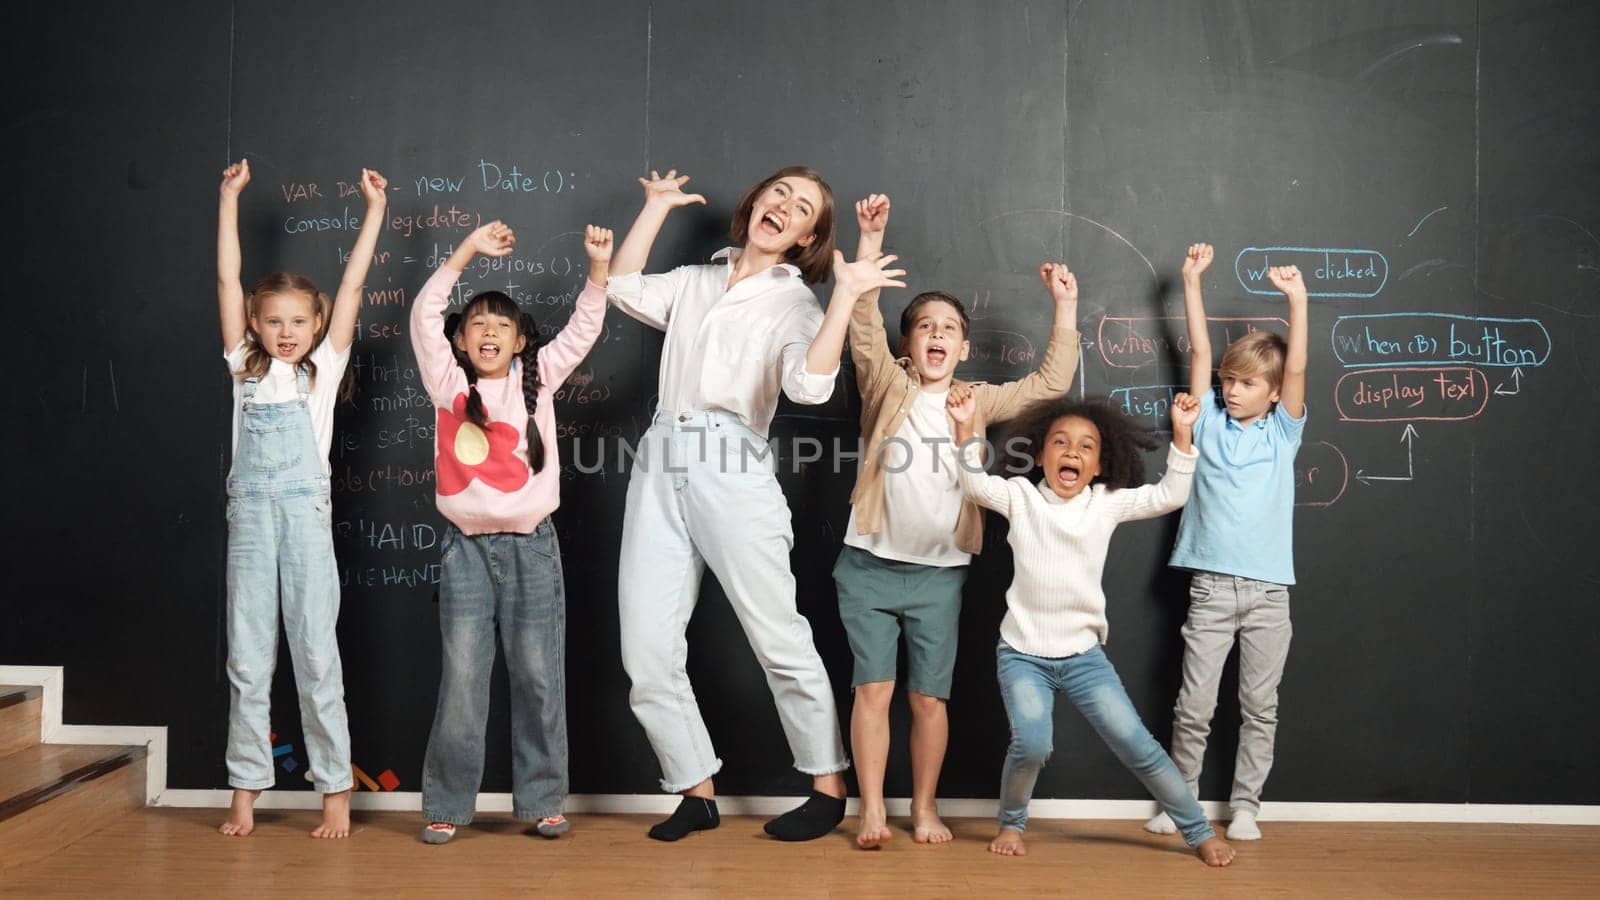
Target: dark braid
x=530, y=388
x=475, y=412
x=501, y=305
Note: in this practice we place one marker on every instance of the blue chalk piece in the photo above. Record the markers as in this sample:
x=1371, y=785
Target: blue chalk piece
x=285, y=750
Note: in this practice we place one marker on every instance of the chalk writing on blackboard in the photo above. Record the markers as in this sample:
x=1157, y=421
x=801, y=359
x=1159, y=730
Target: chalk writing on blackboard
x=1432, y=339
x=1327, y=271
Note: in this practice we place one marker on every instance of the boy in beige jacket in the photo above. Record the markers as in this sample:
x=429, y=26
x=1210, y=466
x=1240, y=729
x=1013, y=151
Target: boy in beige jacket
x=911, y=534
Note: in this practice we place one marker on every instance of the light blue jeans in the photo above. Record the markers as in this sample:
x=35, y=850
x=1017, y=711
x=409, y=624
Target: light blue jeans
x=512, y=582
x=280, y=552
x=701, y=494
x=1029, y=685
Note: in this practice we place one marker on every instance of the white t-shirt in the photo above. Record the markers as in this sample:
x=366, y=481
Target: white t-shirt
x=921, y=498
x=279, y=386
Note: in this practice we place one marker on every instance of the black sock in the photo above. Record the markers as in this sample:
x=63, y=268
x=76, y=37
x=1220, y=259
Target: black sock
x=810, y=820
x=692, y=814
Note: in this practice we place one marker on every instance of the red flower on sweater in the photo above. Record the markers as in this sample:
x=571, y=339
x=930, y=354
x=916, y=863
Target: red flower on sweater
x=467, y=451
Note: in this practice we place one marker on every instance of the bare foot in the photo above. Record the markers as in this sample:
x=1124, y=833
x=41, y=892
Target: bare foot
x=1215, y=852
x=1008, y=843
x=832, y=785
x=928, y=828
x=241, y=814
x=335, y=816
x=873, y=831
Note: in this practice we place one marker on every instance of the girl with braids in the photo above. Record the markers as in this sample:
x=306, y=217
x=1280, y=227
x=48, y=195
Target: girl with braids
x=498, y=478
x=287, y=347
x=1052, y=637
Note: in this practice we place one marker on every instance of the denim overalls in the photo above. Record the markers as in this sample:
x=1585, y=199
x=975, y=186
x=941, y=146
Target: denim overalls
x=280, y=548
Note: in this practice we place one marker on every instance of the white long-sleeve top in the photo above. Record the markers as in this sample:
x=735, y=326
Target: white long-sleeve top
x=1056, y=606
x=730, y=350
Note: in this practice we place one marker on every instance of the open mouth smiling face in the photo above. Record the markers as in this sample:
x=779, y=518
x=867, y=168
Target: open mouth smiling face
x=1070, y=456
x=937, y=341
x=491, y=342
x=785, y=215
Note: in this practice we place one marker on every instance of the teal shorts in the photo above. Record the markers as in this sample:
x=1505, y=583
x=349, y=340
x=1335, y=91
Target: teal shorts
x=881, y=599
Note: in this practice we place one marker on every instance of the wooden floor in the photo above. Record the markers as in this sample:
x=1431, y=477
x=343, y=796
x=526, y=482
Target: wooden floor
x=163, y=852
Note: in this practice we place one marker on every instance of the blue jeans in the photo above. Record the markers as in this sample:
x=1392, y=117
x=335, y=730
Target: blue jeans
x=1029, y=684
x=280, y=556
x=512, y=581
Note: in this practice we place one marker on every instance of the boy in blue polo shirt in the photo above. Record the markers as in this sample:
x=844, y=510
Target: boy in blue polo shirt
x=1236, y=536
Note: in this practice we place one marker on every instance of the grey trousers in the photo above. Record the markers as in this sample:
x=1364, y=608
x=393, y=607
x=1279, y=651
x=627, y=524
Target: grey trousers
x=1220, y=607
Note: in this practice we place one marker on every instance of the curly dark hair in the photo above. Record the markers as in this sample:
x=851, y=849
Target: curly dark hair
x=1121, y=436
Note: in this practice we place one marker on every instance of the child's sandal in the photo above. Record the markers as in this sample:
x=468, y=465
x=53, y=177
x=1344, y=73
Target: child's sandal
x=552, y=826
x=438, y=832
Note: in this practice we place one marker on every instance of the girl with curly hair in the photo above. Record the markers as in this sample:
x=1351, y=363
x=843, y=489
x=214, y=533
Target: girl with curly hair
x=1052, y=637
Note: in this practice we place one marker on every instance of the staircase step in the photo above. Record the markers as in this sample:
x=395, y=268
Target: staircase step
x=54, y=794
x=20, y=708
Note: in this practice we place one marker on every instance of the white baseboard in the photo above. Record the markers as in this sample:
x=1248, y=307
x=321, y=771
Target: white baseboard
x=662, y=804
x=52, y=731
x=154, y=738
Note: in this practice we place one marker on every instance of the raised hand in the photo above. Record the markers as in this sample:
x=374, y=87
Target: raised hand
x=1060, y=282
x=865, y=275
x=597, y=243
x=961, y=403
x=374, y=188
x=1184, y=411
x=1197, y=260
x=667, y=191
x=1287, y=279
x=872, y=213
x=494, y=239
x=235, y=177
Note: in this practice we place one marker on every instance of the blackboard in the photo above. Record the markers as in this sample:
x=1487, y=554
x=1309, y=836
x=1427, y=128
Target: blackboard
x=1431, y=164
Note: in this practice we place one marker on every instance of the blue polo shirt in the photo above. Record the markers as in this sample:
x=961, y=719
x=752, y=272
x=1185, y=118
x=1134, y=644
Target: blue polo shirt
x=1240, y=516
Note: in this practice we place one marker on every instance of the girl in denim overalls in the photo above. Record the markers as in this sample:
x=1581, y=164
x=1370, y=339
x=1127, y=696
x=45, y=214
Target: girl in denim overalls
x=287, y=346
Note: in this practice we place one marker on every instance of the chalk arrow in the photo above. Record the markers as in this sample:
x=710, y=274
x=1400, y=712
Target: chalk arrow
x=1516, y=384
x=1406, y=437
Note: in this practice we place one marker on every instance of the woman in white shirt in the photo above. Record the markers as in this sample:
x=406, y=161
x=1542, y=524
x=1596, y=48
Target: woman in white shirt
x=703, y=489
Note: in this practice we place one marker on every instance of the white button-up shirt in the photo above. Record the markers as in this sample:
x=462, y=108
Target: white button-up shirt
x=730, y=350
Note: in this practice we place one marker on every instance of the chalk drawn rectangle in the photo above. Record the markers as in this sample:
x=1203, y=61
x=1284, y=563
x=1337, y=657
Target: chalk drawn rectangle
x=1359, y=383
x=1321, y=260
x=1150, y=348
x=1537, y=339
x=1148, y=401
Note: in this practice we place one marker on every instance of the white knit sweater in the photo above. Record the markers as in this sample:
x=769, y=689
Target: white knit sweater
x=1055, y=606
